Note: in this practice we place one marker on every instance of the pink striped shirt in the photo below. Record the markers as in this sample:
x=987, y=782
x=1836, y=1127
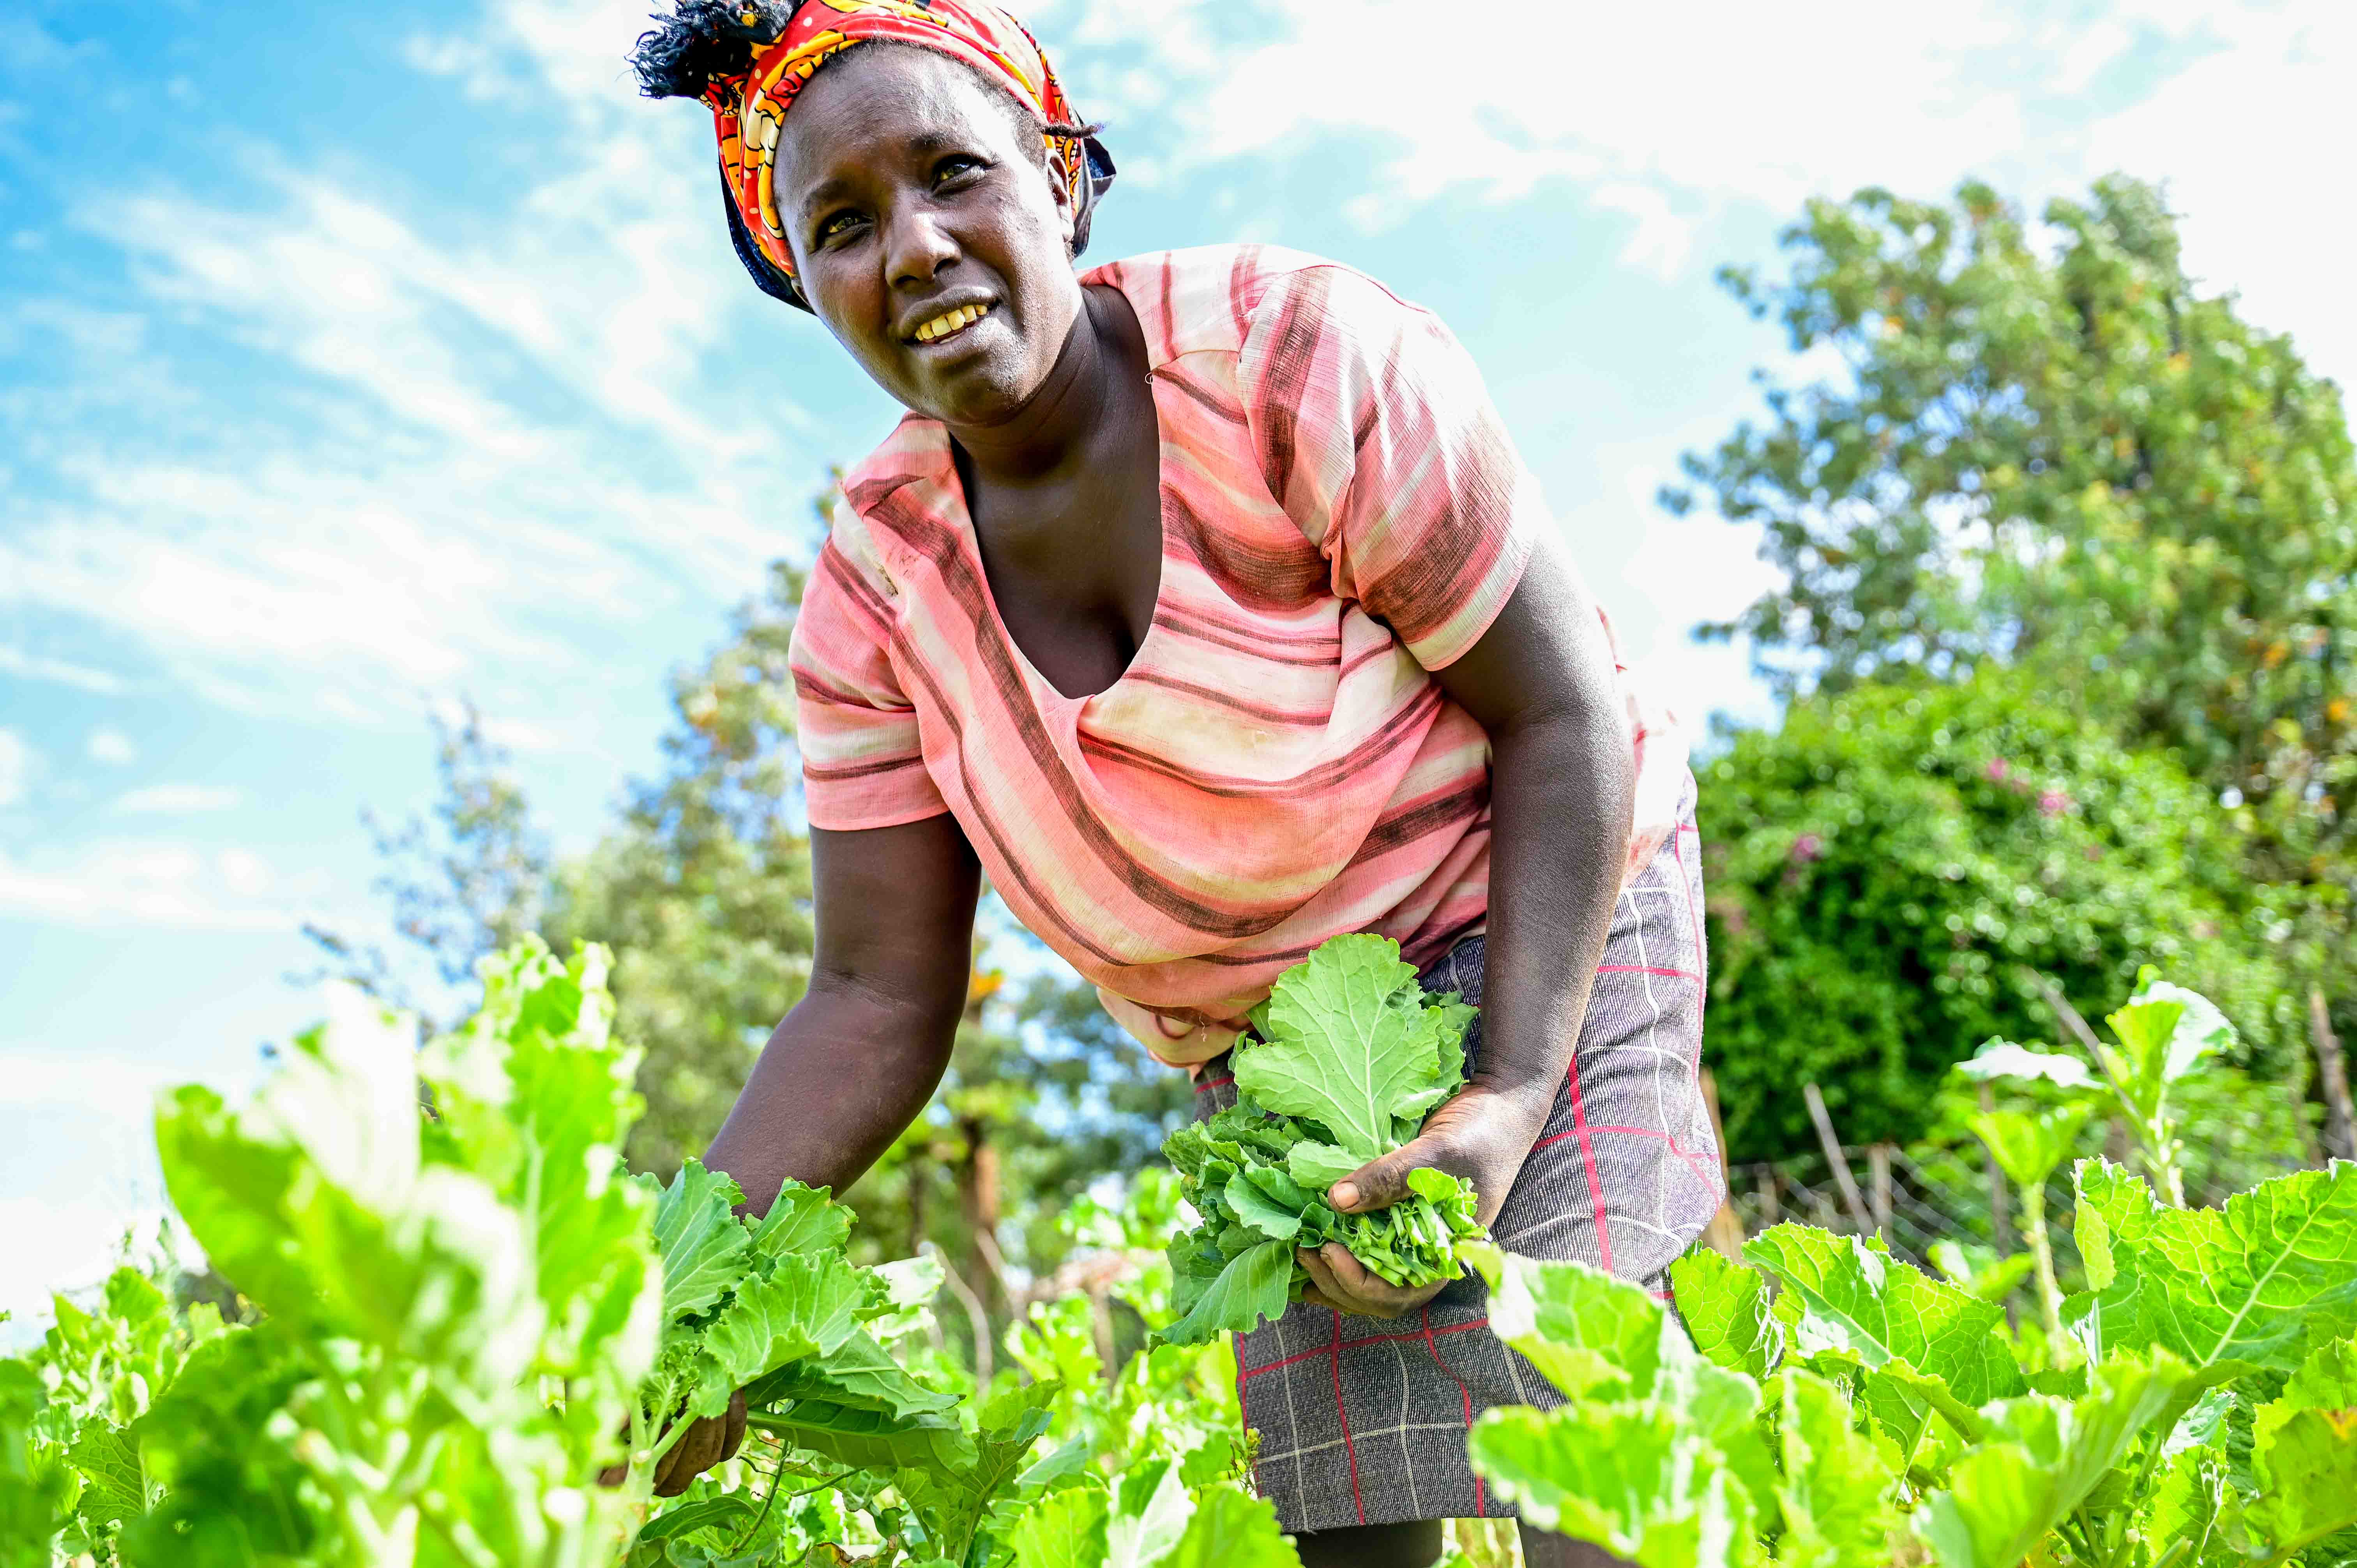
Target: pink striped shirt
x=1343, y=513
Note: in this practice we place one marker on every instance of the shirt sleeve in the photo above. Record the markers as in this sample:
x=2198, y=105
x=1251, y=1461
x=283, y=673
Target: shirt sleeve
x=1376, y=435
x=863, y=762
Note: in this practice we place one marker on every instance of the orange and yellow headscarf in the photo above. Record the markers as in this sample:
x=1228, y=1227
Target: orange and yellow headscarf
x=748, y=110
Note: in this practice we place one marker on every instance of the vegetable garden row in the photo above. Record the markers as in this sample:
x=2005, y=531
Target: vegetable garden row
x=465, y=1310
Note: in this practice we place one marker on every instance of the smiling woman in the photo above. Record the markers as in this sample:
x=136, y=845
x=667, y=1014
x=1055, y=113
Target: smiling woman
x=1202, y=602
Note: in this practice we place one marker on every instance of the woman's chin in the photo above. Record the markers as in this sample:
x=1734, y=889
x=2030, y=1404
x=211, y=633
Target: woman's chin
x=977, y=392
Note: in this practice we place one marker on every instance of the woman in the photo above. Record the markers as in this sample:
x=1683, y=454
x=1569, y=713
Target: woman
x=1201, y=602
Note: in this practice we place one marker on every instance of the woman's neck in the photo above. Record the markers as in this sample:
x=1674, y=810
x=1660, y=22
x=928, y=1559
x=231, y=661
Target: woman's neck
x=1057, y=427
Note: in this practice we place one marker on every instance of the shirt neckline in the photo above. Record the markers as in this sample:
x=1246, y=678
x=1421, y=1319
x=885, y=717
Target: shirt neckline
x=927, y=443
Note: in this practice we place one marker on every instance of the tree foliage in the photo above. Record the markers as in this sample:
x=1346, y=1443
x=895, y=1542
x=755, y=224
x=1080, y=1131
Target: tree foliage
x=2065, y=457
x=1888, y=867
x=703, y=887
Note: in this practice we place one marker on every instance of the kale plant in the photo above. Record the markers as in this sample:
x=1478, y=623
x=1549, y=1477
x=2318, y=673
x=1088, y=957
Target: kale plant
x=1351, y=1054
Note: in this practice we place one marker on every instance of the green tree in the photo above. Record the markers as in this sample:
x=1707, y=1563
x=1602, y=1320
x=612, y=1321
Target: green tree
x=464, y=881
x=702, y=889
x=1887, y=868
x=2053, y=450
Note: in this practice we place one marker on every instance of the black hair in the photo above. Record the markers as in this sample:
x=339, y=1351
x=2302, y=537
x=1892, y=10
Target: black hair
x=704, y=41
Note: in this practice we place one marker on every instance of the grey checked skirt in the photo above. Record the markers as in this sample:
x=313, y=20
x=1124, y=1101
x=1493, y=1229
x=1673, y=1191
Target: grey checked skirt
x=1363, y=1420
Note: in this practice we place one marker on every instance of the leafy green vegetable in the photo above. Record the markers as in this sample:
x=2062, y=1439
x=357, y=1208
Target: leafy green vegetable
x=2304, y=1454
x=1347, y=1042
x=2042, y=1459
x=2253, y=1283
x=1848, y=1294
x=1350, y=1057
x=460, y=1310
x=1151, y=1519
x=1726, y=1309
x=1831, y=1479
x=1626, y=1477
x=2202, y=1413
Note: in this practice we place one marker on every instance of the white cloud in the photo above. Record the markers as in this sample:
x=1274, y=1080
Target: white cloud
x=1718, y=98
x=181, y=797
x=112, y=885
x=33, y=666
x=1663, y=238
x=2241, y=138
x=244, y=873
x=111, y=745
x=70, y=1247
x=450, y=473
x=31, y=1079
x=447, y=472
x=15, y=766
x=1669, y=114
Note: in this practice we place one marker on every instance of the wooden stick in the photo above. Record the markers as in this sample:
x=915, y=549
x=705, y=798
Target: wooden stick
x=2339, y=1116
x=1836, y=1158
x=975, y=1316
x=2083, y=1034
x=1725, y=1232
x=1772, y=1208
x=1877, y=1166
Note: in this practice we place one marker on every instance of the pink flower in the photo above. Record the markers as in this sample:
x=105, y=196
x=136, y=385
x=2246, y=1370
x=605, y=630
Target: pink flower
x=1806, y=848
x=1996, y=772
x=2052, y=803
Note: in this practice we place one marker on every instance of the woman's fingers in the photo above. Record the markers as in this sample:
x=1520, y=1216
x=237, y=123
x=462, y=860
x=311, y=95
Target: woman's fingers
x=733, y=1436
x=707, y=1441
x=697, y=1450
x=1344, y=1283
x=1381, y=1182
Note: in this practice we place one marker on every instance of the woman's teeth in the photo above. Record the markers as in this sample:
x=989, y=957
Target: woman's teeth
x=942, y=325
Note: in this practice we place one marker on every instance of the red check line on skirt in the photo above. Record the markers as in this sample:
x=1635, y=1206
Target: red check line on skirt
x=1480, y=1505
x=1215, y=1083
x=1348, y=1448
x=1690, y=1159
x=1588, y=1154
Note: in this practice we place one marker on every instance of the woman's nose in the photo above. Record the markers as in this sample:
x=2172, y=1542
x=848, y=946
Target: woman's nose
x=915, y=247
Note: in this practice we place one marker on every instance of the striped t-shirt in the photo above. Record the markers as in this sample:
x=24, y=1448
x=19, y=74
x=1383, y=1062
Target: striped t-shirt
x=1343, y=513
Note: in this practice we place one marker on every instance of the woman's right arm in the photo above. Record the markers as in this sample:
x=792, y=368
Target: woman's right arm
x=857, y=1058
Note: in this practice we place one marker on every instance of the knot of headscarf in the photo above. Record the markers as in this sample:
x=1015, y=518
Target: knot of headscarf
x=749, y=109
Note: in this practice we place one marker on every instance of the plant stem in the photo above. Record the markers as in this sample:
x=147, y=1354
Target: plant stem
x=2050, y=1294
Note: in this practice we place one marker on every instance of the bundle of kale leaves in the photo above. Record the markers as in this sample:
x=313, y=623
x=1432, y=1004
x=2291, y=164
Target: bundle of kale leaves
x=1348, y=1057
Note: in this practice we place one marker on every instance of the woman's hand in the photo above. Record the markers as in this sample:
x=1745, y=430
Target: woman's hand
x=1481, y=1137
x=706, y=1441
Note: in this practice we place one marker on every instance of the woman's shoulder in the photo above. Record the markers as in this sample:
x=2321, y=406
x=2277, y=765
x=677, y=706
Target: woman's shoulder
x=1212, y=298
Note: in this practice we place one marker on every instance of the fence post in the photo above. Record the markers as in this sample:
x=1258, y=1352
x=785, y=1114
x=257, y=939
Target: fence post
x=2339, y=1117
x=1772, y=1208
x=1836, y=1158
x=1725, y=1232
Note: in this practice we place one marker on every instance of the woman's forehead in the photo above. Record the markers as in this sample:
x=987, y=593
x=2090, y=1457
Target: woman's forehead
x=882, y=99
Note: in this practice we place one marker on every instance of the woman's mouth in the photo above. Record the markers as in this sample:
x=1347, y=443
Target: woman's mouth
x=951, y=324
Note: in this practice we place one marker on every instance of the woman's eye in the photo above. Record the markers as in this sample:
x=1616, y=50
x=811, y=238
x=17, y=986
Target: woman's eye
x=835, y=225
x=950, y=168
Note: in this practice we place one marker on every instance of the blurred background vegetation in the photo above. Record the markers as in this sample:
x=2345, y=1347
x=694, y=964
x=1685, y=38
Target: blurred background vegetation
x=2068, y=657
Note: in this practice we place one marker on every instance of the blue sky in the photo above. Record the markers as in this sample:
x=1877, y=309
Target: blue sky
x=355, y=358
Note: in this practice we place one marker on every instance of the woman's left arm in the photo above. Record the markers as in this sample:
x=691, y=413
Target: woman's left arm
x=1562, y=780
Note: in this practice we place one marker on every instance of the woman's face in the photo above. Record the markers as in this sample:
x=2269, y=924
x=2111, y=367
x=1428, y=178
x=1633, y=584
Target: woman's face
x=910, y=193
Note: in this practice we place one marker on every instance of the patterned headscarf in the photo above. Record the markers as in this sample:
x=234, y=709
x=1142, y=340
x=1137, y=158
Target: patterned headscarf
x=748, y=111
